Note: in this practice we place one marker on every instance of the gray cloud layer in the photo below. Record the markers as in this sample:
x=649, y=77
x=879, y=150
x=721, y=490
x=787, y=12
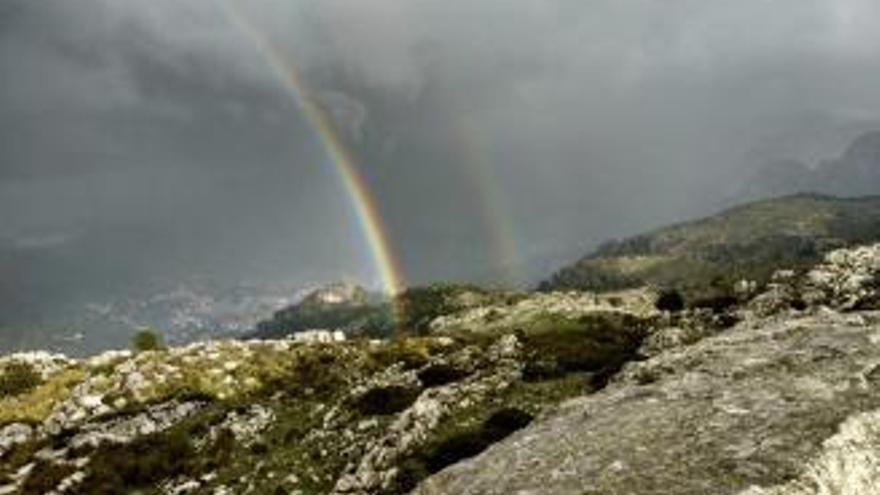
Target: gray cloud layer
x=154, y=137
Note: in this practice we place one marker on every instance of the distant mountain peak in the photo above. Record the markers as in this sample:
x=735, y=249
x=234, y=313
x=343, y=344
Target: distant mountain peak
x=856, y=172
x=337, y=293
x=865, y=148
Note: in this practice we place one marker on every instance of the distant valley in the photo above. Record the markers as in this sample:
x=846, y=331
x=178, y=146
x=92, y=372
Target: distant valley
x=180, y=313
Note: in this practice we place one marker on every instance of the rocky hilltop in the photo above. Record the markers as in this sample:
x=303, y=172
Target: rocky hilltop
x=343, y=306
x=557, y=392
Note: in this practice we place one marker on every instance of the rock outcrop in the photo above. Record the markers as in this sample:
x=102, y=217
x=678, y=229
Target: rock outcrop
x=785, y=402
x=343, y=307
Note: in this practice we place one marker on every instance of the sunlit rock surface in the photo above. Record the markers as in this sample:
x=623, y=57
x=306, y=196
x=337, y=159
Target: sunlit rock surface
x=779, y=404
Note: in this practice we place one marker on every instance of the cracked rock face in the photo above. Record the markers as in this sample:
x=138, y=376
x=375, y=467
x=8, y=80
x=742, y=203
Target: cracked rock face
x=785, y=404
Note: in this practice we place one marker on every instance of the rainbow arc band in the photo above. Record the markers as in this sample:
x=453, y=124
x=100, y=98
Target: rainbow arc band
x=359, y=194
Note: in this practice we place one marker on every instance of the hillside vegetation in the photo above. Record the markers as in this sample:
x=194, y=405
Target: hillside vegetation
x=706, y=257
x=358, y=313
x=502, y=393
x=358, y=416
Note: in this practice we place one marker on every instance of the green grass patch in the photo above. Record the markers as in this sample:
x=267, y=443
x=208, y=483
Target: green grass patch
x=45, y=476
x=117, y=469
x=600, y=343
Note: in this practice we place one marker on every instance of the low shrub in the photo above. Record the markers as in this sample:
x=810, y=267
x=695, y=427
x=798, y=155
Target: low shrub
x=798, y=304
x=45, y=477
x=410, y=473
x=439, y=374
x=718, y=303
x=17, y=378
x=457, y=446
x=420, y=305
x=117, y=469
x=34, y=403
x=506, y=421
x=381, y=401
x=536, y=370
x=593, y=343
x=410, y=353
x=316, y=372
x=670, y=300
x=146, y=339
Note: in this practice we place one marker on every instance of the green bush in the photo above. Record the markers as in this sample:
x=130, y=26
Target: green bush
x=315, y=372
x=116, y=469
x=717, y=302
x=400, y=351
x=386, y=400
x=599, y=343
x=410, y=473
x=420, y=305
x=367, y=320
x=45, y=476
x=17, y=378
x=670, y=300
x=440, y=374
x=146, y=340
x=458, y=445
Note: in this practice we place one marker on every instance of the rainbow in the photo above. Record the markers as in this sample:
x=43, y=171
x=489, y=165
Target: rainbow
x=362, y=200
x=475, y=152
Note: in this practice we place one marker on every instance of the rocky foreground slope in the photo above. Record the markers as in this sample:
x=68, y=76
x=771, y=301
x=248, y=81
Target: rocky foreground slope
x=531, y=393
x=785, y=402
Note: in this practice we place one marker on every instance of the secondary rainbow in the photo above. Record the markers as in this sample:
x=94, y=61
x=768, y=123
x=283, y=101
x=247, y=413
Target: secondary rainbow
x=352, y=180
x=476, y=150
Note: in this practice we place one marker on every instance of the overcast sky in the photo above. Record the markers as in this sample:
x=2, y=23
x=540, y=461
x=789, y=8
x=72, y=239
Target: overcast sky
x=150, y=138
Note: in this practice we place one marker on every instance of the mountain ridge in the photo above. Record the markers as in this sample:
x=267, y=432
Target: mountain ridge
x=712, y=253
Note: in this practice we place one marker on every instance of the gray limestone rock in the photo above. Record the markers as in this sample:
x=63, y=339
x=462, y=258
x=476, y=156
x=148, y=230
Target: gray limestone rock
x=747, y=408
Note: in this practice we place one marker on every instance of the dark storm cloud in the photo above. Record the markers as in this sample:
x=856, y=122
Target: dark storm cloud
x=156, y=132
x=605, y=117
